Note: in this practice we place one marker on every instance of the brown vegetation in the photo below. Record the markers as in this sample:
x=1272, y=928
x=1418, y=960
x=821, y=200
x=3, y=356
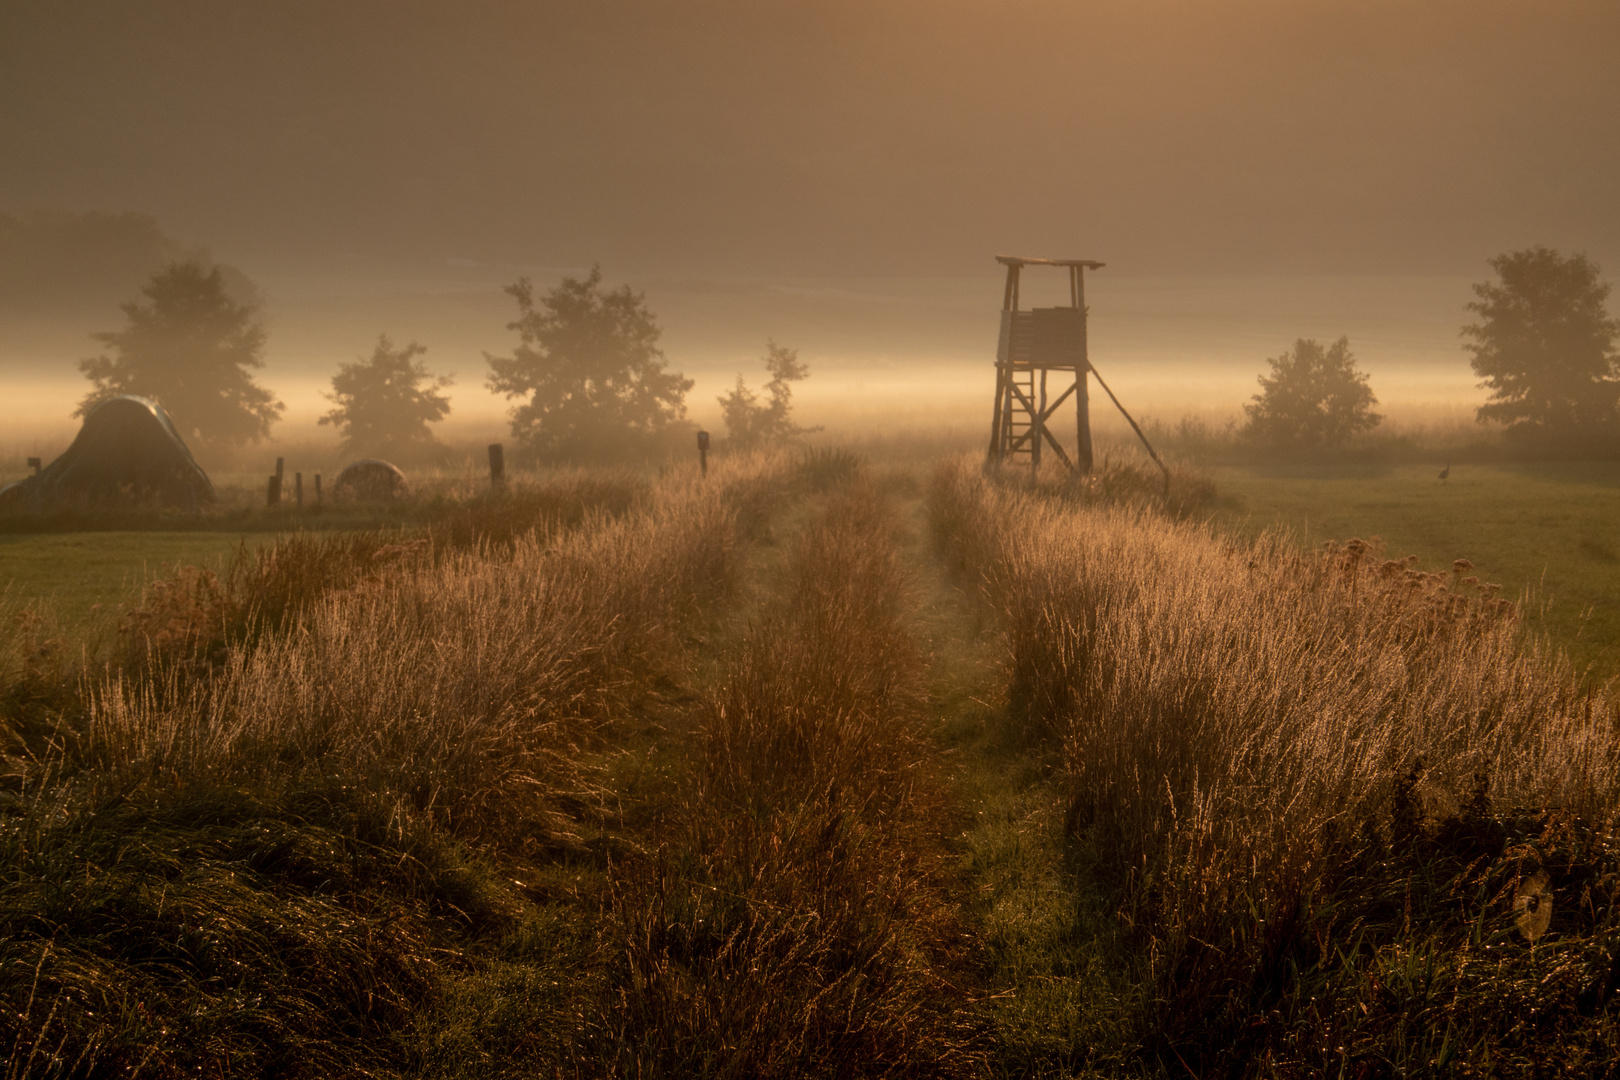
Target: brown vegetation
x=271, y=863
x=463, y=802
x=1307, y=769
x=795, y=923
x=602, y=779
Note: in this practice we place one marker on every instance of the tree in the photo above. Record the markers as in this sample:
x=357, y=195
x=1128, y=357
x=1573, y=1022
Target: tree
x=190, y=347
x=385, y=404
x=1314, y=397
x=1545, y=343
x=749, y=423
x=589, y=364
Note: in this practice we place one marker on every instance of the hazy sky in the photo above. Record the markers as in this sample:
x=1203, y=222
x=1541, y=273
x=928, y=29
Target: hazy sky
x=908, y=137
x=836, y=175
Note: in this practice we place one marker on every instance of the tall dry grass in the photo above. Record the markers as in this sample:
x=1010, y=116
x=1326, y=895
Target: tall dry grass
x=249, y=862
x=795, y=921
x=1271, y=745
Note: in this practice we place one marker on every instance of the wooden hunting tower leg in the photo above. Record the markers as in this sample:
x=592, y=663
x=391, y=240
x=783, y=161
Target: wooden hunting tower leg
x=1082, y=399
x=1001, y=414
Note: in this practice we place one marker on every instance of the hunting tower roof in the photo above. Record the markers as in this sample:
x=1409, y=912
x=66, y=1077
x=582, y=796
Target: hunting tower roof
x=1020, y=260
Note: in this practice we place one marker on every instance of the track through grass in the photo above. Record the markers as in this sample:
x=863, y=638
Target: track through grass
x=1063, y=992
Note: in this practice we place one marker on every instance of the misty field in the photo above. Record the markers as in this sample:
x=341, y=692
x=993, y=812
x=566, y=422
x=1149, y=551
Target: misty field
x=815, y=766
x=1548, y=533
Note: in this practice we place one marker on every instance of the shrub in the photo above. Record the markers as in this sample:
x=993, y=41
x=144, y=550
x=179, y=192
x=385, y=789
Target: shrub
x=1314, y=397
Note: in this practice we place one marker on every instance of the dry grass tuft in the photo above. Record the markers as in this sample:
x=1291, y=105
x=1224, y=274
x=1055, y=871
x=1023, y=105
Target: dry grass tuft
x=1277, y=747
x=257, y=847
x=795, y=923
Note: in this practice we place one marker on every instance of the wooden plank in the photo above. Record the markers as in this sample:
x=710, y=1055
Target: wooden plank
x=1029, y=406
x=994, y=453
x=1021, y=260
x=1035, y=425
x=1052, y=408
x=1082, y=413
x=1152, y=453
x=1062, y=454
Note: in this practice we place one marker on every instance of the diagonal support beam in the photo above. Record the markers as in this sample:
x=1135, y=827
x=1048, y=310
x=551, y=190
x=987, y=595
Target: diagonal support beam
x=1057, y=446
x=1053, y=408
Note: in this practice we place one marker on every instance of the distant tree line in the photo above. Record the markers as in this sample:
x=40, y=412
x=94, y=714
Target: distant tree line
x=590, y=380
x=589, y=376
x=1544, y=346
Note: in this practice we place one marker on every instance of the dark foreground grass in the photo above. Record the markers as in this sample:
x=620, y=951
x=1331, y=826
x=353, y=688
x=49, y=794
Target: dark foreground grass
x=1331, y=798
x=315, y=809
x=446, y=808
x=737, y=778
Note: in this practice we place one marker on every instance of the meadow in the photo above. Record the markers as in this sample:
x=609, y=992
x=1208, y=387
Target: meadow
x=1547, y=532
x=817, y=765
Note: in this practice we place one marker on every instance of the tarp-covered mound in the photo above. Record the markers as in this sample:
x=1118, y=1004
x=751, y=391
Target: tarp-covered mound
x=370, y=479
x=127, y=454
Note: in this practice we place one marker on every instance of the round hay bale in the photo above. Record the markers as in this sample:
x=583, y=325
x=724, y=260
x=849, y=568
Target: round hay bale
x=371, y=480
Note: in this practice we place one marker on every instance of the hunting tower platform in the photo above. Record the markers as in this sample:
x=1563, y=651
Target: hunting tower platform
x=1034, y=344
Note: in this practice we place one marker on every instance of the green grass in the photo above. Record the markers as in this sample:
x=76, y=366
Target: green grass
x=79, y=573
x=1063, y=993
x=1548, y=533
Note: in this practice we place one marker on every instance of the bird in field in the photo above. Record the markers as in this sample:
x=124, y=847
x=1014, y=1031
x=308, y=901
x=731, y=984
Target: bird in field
x=1445, y=472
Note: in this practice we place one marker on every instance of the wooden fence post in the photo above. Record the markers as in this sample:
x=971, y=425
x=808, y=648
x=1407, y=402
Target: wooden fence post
x=497, y=466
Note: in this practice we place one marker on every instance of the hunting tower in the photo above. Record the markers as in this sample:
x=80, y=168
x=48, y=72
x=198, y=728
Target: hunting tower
x=1033, y=345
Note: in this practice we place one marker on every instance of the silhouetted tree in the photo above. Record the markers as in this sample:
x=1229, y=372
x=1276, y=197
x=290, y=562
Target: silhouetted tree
x=1314, y=397
x=589, y=364
x=1545, y=343
x=385, y=404
x=190, y=347
x=749, y=423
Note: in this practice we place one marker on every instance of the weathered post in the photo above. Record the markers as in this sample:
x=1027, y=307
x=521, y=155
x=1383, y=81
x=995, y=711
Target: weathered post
x=275, y=481
x=1082, y=396
x=703, y=452
x=36, y=464
x=497, y=466
x=317, y=489
x=298, y=489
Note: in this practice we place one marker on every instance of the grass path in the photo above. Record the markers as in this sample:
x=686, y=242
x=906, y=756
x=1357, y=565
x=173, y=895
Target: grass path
x=1064, y=994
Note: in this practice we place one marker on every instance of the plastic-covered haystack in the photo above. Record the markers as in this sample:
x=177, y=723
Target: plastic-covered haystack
x=126, y=454
x=371, y=480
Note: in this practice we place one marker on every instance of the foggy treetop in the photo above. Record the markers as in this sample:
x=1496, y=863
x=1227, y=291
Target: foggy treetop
x=910, y=137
